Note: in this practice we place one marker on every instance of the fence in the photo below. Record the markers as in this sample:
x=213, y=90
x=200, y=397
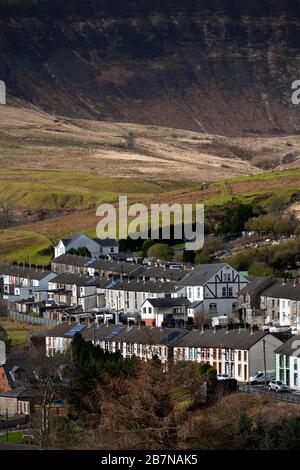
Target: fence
x=290, y=397
x=31, y=319
x=13, y=422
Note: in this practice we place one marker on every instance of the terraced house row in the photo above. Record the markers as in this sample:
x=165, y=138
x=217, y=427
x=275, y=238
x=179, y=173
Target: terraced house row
x=238, y=353
x=156, y=295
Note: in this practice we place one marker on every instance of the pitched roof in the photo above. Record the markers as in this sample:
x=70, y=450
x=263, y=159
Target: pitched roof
x=21, y=392
x=232, y=339
x=102, y=331
x=159, y=272
x=141, y=286
x=74, y=260
x=117, y=267
x=166, y=302
x=290, y=347
x=106, y=242
x=23, y=272
x=280, y=290
x=76, y=279
x=201, y=274
x=100, y=241
x=146, y=335
x=257, y=285
x=62, y=329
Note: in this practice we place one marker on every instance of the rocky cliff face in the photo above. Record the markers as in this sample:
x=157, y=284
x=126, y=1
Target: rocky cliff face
x=221, y=66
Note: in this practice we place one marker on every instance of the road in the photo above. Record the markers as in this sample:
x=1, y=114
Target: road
x=263, y=390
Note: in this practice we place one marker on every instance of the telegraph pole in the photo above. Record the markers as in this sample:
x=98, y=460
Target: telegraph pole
x=6, y=425
x=265, y=365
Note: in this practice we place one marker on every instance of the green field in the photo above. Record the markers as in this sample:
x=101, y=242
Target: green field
x=45, y=189
x=73, y=198
x=13, y=436
x=18, y=331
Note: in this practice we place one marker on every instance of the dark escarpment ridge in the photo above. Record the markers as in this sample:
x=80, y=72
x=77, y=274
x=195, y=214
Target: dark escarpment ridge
x=220, y=66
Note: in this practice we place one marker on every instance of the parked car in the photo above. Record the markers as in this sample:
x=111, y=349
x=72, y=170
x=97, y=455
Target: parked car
x=278, y=386
x=223, y=377
x=260, y=378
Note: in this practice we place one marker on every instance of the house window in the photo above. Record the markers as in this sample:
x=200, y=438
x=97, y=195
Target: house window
x=245, y=356
x=112, y=250
x=212, y=308
x=239, y=356
x=239, y=370
x=224, y=292
x=144, y=310
x=191, y=354
x=281, y=375
x=281, y=360
x=199, y=292
x=230, y=291
x=149, y=309
x=226, y=354
x=227, y=277
x=296, y=380
x=190, y=292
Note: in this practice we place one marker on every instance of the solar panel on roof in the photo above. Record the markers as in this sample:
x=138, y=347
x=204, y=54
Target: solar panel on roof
x=75, y=329
x=89, y=262
x=93, y=279
x=170, y=337
x=113, y=283
x=115, y=332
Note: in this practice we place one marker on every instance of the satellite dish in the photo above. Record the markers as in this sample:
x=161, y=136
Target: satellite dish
x=2, y=353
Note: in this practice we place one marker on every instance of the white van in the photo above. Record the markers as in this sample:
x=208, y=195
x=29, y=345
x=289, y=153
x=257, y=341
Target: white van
x=259, y=378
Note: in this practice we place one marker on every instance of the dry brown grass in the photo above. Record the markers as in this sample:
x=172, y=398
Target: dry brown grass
x=30, y=138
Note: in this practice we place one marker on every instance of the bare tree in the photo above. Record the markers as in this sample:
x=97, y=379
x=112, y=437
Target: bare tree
x=47, y=379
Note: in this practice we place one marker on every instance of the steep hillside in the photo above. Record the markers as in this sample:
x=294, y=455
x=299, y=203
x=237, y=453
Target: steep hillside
x=30, y=138
x=220, y=66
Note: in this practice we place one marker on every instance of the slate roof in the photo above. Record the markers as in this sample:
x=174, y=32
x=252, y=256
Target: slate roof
x=232, y=339
x=279, y=290
x=257, y=284
x=117, y=267
x=100, y=332
x=61, y=330
x=100, y=241
x=169, y=302
x=160, y=272
x=20, y=392
x=74, y=260
x=148, y=286
x=106, y=242
x=290, y=347
x=20, y=271
x=76, y=279
x=146, y=335
x=121, y=333
x=201, y=274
